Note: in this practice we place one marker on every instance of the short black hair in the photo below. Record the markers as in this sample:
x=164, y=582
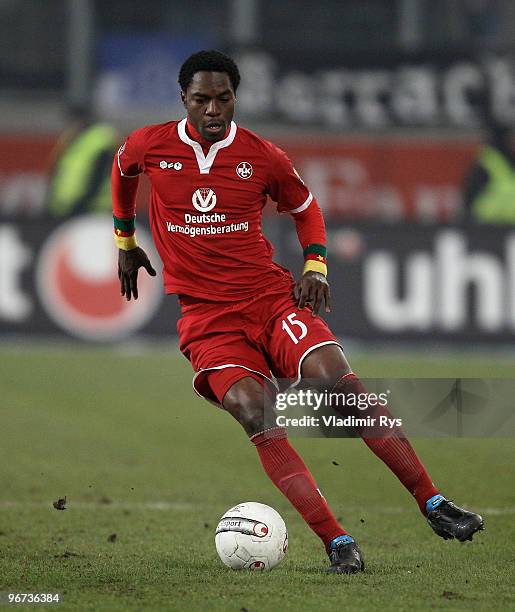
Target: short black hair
x=210, y=61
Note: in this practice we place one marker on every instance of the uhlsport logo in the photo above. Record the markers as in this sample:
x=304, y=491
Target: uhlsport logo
x=244, y=170
x=260, y=529
x=204, y=199
x=78, y=283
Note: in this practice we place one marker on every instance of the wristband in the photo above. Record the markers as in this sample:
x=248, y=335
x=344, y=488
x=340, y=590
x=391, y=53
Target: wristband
x=315, y=259
x=125, y=243
x=315, y=266
x=125, y=233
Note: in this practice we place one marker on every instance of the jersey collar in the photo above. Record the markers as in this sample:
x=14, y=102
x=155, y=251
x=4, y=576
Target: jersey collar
x=194, y=135
x=206, y=161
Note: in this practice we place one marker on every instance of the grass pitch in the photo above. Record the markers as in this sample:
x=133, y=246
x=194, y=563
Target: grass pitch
x=147, y=469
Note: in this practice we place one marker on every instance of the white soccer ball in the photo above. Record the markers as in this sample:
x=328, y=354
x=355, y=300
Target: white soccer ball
x=251, y=536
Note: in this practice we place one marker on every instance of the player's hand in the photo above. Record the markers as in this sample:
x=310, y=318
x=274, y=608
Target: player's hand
x=313, y=289
x=129, y=262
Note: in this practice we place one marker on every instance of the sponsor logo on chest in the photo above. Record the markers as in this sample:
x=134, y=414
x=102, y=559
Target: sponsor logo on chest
x=204, y=199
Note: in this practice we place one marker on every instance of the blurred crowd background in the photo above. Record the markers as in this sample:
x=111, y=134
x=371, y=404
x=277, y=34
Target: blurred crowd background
x=397, y=113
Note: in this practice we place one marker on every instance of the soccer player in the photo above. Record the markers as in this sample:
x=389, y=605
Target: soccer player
x=243, y=316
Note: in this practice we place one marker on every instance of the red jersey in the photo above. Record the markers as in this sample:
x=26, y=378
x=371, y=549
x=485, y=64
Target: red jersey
x=206, y=206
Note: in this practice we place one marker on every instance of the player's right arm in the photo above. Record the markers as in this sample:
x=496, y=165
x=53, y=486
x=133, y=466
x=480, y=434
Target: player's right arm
x=127, y=166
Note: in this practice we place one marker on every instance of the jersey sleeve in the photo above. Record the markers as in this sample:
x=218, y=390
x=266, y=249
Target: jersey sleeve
x=130, y=156
x=285, y=186
x=128, y=164
x=292, y=196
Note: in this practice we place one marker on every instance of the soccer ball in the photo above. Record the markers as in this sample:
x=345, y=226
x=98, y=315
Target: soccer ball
x=251, y=536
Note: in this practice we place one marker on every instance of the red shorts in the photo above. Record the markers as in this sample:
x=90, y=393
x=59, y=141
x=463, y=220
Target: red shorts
x=264, y=336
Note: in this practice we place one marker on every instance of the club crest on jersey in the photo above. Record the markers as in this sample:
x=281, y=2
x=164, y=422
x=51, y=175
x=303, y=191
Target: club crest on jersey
x=204, y=199
x=244, y=170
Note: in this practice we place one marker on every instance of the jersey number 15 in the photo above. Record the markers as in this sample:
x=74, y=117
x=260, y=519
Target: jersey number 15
x=289, y=328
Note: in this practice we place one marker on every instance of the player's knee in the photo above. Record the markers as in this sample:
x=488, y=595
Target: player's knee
x=325, y=366
x=246, y=402
x=249, y=414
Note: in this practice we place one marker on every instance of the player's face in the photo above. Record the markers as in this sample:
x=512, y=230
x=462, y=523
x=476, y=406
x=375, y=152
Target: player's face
x=210, y=101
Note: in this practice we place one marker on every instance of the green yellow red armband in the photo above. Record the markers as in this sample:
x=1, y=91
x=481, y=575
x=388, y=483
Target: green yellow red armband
x=125, y=233
x=315, y=259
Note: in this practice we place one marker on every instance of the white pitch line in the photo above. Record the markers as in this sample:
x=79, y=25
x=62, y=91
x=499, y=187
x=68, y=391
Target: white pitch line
x=80, y=505
x=186, y=506
x=496, y=511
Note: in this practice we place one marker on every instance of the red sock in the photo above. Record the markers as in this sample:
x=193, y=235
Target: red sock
x=291, y=476
x=391, y=446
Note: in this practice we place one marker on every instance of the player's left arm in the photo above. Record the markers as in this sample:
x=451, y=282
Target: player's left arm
x=292, y=196
x=313, y=287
